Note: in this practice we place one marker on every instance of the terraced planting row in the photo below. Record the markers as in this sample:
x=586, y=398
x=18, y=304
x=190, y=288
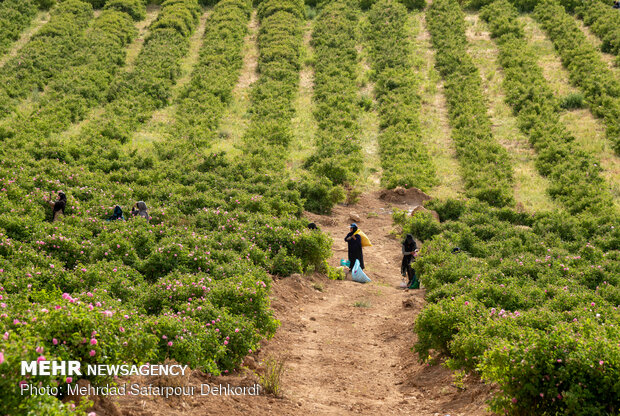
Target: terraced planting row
x=485, y=164
x=575, y=175
x=338, y=155
x=135, y=95
x=191, y=284
x=587, y=70
x=45, y=56
x=604, y=22
x=404, y=157
x=15, y=16
x=203, y=100
x=530, y=302
x=84, y=83
x=279, y=41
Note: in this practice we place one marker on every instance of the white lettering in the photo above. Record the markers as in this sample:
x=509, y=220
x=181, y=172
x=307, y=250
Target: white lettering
x=74, y=368
x=29, y=368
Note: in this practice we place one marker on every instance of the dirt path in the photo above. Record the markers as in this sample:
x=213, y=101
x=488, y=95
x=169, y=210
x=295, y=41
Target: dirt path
x=347, y=345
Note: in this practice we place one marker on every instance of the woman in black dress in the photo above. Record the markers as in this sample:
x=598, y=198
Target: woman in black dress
x=409, y=248
x=355, y=247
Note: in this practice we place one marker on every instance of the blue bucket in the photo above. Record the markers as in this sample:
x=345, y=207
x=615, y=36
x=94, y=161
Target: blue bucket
x=344, y=262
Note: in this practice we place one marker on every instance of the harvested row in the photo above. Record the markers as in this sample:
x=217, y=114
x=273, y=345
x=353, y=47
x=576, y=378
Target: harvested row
x=279, y=62
x=84, y=84
x=46, y=55
x=404, y=157
x=134, y=96
x=583, y=61
x=338, y=155
x=204, y=99
x=575, y=175
x=15, y=16
x=485, y=163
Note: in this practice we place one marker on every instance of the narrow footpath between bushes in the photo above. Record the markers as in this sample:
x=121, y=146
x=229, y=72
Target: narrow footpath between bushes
x=347, y=345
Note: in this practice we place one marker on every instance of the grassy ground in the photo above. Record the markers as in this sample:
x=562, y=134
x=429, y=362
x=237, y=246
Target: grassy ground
x=303, y=124
x=368, y=119
x=530, y=186
x=548, y=59
x=236, y=117
x=134, y=49
x=157, y=127
x=588, y=131
x=36, y=24
x=434, y=112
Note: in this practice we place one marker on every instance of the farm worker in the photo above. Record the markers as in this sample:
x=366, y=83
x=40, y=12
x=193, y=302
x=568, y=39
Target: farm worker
x=354, y=242
x=409, y=252
x=140, y=209
x=616, y=4
x=312, y=226
x=117, y=215
x=58, y=206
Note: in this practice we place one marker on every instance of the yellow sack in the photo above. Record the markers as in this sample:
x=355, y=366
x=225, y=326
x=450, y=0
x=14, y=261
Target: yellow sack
x=365, y=241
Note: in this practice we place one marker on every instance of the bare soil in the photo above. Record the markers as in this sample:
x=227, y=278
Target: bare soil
x=346, y=345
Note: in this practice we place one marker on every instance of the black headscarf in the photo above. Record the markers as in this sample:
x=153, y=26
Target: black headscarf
x=409, y=243
x=61, y=203
x=118, y=214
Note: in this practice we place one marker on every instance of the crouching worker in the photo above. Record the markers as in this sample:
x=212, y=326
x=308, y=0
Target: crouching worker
x=139, y=209
x=58, y=206
x=409, y=253
x=117, y=214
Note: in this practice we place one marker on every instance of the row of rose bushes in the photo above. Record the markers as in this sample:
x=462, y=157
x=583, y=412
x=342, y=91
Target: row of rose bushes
x=15, y=16
x=575, y=175
x=279, y=42
x=269, y=134
x=45, y=55
x=135, y=95
x=404, y=157
x=84, y=83
x=192, y=284
x=604, y=22
x=338, y=154
x=530, y=303
x=587, y=70
x=485, y=164
x=203, y=100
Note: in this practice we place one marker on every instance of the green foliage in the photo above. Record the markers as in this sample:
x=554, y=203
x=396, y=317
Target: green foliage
x=279, y=40
x=45, y=56
x=526, y=303
x=604, y=22
x=574, y=174
x=134, y=8
x=320, y=194
x=202, y=102
x=338, y=156
x=485, y=163
x=15, y=16
x=404, y=157
x=409, y=4
x=587, y=70
x=572, y=101
x=83, y=84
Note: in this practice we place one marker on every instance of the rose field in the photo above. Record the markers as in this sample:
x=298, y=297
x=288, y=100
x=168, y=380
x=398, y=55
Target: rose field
x=239, y=123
